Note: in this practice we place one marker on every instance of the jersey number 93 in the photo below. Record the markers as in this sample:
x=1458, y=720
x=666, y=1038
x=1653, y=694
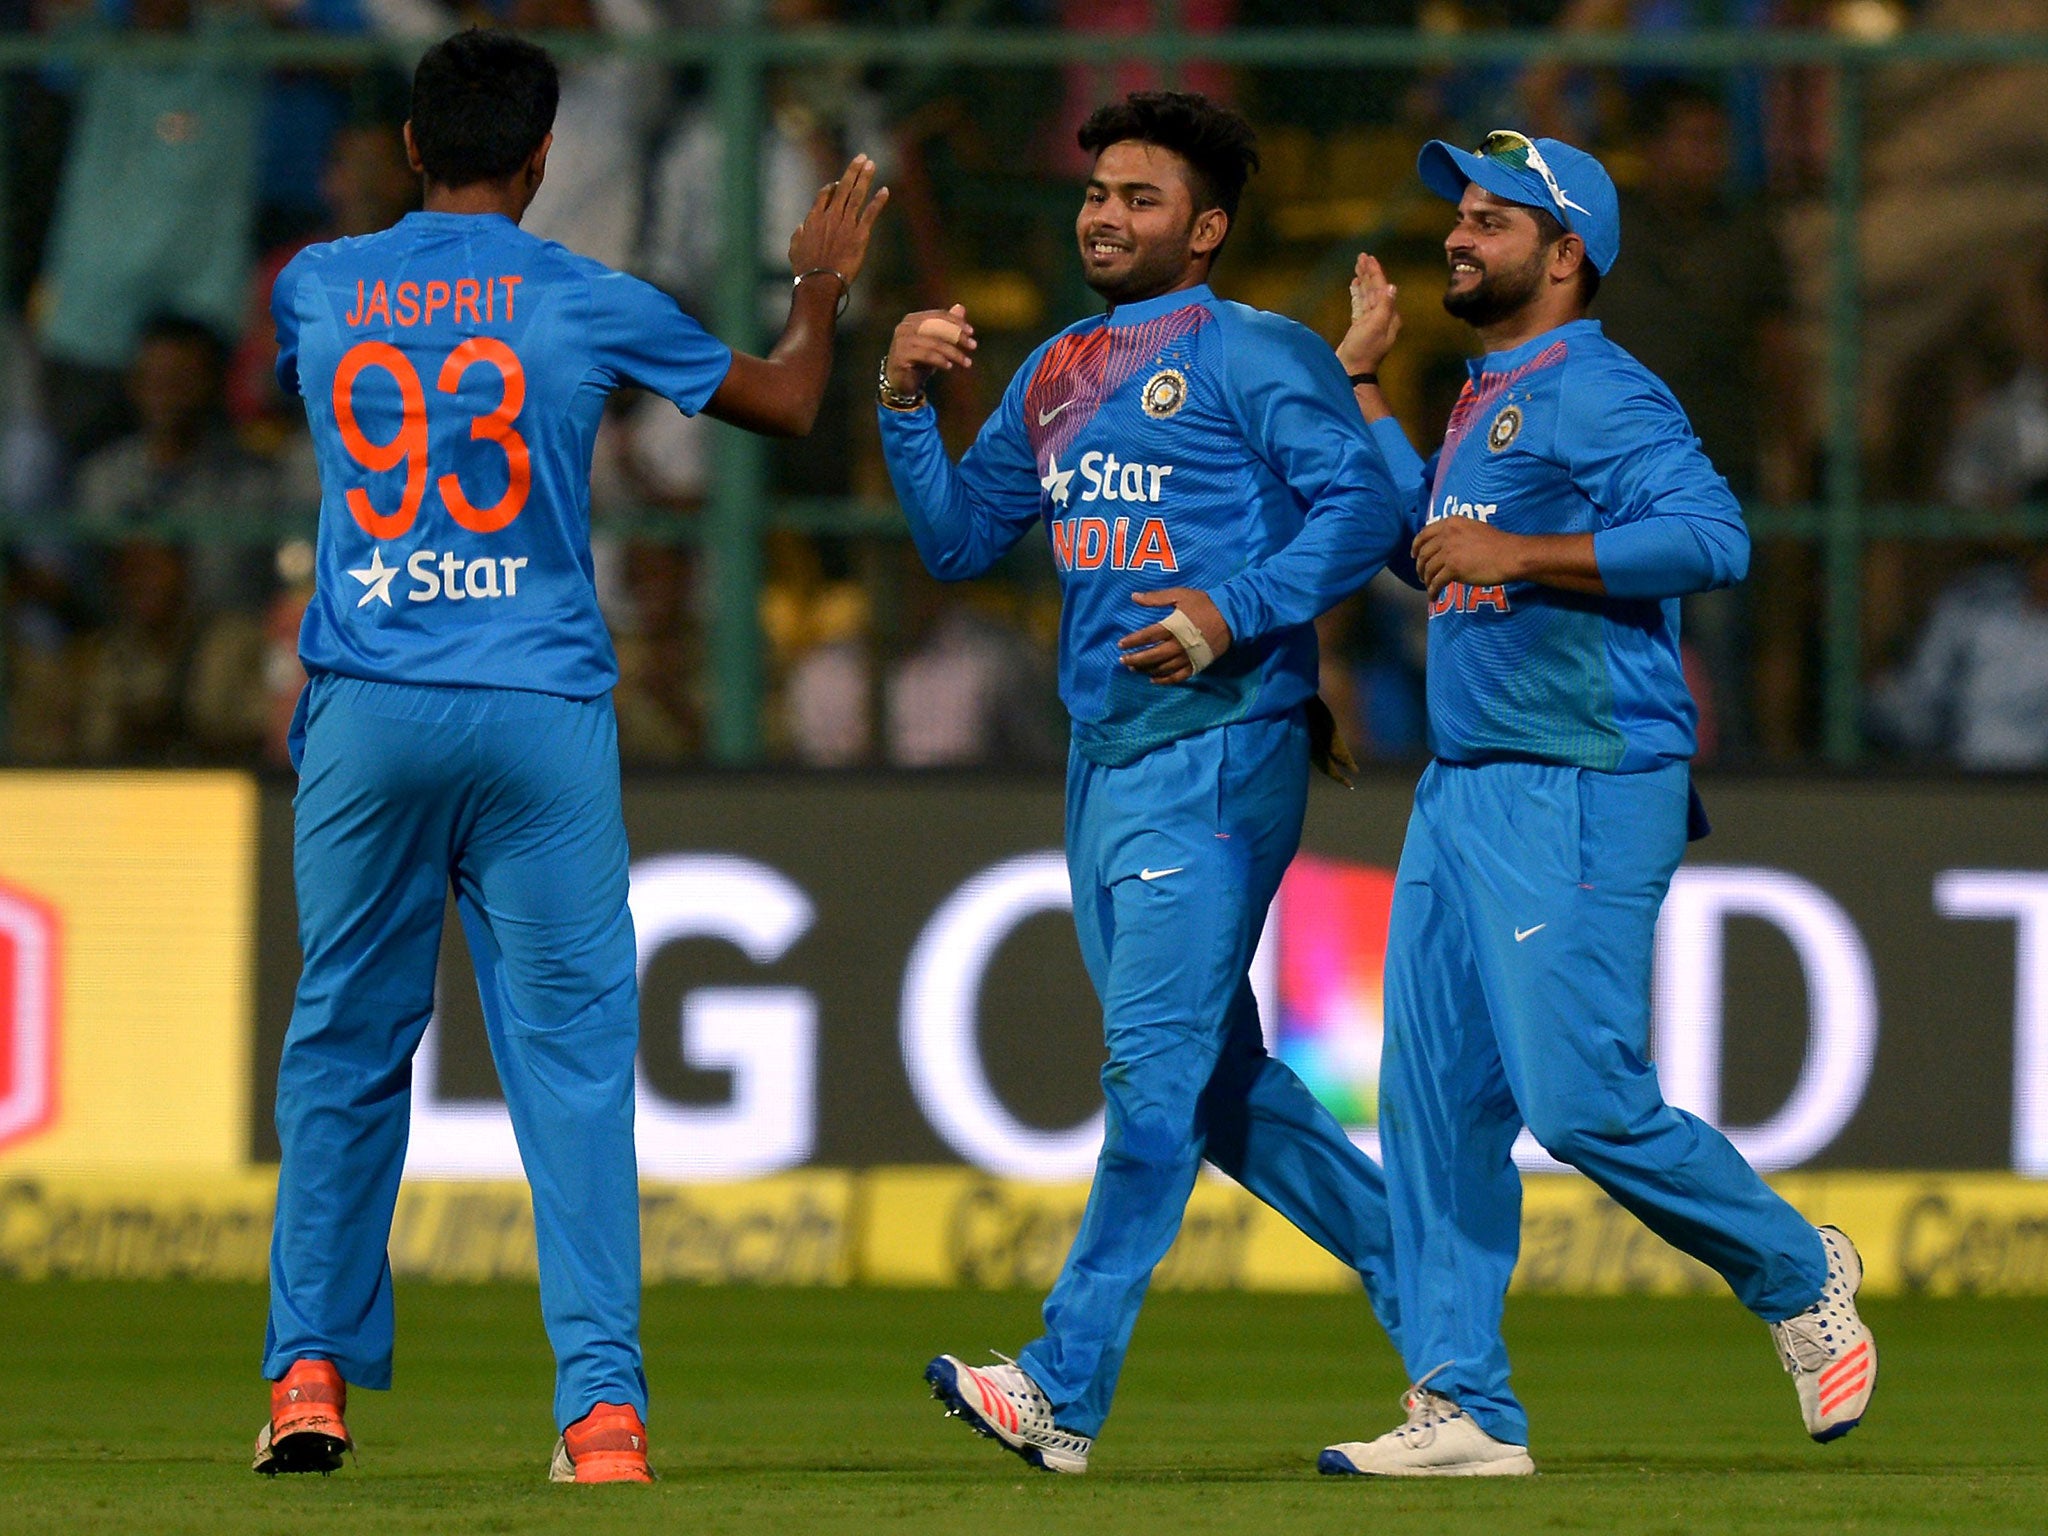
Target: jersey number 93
x=409, y=445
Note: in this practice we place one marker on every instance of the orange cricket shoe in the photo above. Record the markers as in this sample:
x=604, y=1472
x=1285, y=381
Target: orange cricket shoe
x=607, y=1445
x=305, y=1432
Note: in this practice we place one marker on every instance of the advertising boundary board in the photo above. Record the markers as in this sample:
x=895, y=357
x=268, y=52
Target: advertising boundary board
x=127, y=969
x=880, y=970
x=1920, y=1234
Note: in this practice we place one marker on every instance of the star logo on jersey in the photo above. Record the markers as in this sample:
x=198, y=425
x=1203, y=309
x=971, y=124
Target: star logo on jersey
x=376, y=580
x=1056, y=480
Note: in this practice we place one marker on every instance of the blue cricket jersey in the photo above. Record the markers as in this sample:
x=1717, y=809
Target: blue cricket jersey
x=1569, y=434
x=1179, y=442
x=454, y=369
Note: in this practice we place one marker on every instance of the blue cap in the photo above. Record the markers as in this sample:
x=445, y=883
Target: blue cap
x=1578, y=192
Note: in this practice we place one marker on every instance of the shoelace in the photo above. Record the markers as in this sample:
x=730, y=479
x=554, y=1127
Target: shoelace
x=1800, y=1344
x=1427, y=1411
x=1810, y=1340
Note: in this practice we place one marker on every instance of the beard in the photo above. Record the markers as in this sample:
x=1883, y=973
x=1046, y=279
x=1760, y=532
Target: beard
x=1497, y=295
x=1151, y=272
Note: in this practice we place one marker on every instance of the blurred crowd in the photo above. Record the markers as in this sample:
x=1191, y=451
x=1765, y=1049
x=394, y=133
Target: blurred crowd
x=158, y=496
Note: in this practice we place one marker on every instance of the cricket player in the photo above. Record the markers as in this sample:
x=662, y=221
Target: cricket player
x=1207, y=489
x=1568, y=511
x=458, y=729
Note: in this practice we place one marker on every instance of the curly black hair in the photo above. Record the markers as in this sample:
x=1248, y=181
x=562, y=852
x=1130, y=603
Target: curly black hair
x=1219, y=146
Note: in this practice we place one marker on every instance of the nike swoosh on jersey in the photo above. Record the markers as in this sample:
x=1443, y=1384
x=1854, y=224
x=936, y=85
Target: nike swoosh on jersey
x=1046, y=416
x=1523, y=933
x=1160, y=874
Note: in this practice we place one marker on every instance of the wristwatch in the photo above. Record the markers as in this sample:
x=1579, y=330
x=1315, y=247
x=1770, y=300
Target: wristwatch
x=890, y=396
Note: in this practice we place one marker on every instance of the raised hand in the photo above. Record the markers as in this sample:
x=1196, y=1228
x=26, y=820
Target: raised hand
x=834, y=234
x=929, y=341
x=1375, y=322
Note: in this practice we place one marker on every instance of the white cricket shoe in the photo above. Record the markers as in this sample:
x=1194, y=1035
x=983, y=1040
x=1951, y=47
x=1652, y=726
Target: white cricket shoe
x=1831, y=1356
x=1439, y=1440
x=1003, y=1403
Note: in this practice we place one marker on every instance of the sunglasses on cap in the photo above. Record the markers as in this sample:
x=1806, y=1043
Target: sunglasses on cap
x=1519, y=152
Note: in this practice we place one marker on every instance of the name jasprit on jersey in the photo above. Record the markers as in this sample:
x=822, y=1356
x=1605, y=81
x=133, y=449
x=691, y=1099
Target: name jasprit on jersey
x=410, y=303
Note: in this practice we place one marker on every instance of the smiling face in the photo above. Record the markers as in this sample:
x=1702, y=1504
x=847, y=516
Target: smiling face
x=1497, y=256
x=1139, y=230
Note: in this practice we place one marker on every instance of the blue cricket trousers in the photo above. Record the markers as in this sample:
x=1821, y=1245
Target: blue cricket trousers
x=1174, y=861
x=1518, y=993
x=514, y=798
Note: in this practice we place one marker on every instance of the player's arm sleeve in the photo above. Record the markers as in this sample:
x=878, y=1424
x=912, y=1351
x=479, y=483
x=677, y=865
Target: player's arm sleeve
x=1412, y=480
x=284, y=312
x=640, y=336
x=1669, y=524
x=963, y=517
x=1298, y=416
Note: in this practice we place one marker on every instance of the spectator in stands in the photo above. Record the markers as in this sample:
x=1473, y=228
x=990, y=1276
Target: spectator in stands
x=365, y=186
x=1705, y=296
x=163, y=683
x=1975, y=690
x=1583, y=106
x=1324, y=100
x=815, y=116
x=303, y=109
x=971, y=689
x=827, y=713
x=1091, y=84
x=154, y=216
x=183, y=467
x=1704, y=299
x=649, y=456
x=661, y=721
x=594, y=197
x=1999, y=455
x=36, y=649
x=817, y=623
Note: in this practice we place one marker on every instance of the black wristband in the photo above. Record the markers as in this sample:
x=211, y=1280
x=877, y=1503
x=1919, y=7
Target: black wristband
x=1363, y=378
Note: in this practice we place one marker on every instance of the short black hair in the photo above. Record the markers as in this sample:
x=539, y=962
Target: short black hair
x=482, y=101
x=183, y=330
x=1219, y=146
x=1550, y=229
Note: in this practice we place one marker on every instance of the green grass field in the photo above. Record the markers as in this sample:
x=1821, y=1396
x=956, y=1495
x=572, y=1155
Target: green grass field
x=131, y=1408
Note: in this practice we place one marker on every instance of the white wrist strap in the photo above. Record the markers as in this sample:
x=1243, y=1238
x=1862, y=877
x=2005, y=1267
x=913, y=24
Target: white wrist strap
x=1189, y=634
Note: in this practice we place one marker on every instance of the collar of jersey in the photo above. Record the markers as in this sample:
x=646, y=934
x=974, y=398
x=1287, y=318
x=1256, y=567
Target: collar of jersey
x=420, y=217
x=1152, y=309
x=1501, y=362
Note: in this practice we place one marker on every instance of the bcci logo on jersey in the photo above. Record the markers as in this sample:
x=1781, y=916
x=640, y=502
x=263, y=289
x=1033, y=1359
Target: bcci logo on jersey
x=1164, y=393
